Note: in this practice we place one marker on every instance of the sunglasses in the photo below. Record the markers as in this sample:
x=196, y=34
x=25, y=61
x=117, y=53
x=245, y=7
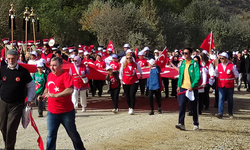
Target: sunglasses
x=129, y=57
x=222, y=58
x=185, y=53
x=74, y=60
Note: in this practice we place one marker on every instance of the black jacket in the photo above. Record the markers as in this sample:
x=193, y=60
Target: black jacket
x=247, y=63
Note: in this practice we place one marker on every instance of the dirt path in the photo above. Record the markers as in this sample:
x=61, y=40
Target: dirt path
x=100, y=129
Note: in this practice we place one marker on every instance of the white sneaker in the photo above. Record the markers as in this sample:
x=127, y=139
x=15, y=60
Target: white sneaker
x=131, y=111
x=115, y=110
x=83, y=109
x=196, y=127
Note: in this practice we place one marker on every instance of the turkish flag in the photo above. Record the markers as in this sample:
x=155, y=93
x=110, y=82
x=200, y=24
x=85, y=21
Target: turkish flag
x=162, y=59
x=208, y=43
x=136, y=52
x=110, y=45
x=86, y=48
x=30, y=68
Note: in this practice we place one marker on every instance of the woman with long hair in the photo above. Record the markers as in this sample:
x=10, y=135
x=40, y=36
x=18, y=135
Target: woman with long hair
x=130, y=80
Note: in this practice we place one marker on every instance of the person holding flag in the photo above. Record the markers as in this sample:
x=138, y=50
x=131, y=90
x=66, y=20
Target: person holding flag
x=100, y=64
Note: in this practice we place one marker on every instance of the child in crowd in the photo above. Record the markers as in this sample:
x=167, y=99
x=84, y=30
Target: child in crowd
x=154, y=86
x=114, y=85
x=40, y=79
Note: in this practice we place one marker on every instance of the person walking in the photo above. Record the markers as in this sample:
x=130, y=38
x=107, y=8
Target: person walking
x=128, y=76
x=59, y=88
x=240, y=65
x=78, y=72
x=154, y=85
x=143, y=64
x=189, y=76
x=114, y=85
x=15, y=80
x=226, y=73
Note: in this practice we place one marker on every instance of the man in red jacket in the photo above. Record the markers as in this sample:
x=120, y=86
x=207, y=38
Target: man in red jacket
x=226, y=72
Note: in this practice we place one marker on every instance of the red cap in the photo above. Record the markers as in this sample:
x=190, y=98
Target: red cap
x=5, y=41
x=14, y=42
x=37, y=42
x=71, y=49
x=39, y=49
x=30, y=42
x=45, y=41
x=19, y=43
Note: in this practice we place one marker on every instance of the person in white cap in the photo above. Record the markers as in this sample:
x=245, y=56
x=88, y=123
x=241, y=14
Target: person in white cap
x=65, y=54
x=154, y=86
x=156, y=53
x=123, y=53
x=148, y=55
x=33, y=56
x=128, y=76
x=109, y=58
x=143, y=63
x=114, y=63
x=100, y=64
x=114, y=85
x=78, y=72
x=226, y=73
x=123, y=59
x=40, y=79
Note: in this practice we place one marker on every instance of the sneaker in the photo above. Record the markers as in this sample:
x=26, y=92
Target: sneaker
x=213, y=93
x=83, y=109
x=180, y=126
x=40, y=115
x=115, y=110
x=131, y=111
x=159, y=111
x=219, y=116
x=151, y=113
x=231, y=116
x=196, y=127
x=190, y=113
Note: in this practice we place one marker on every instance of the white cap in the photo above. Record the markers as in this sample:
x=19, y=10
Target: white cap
x=54, y=48
x=99, y=48
x=72, y=56
x=146, y=49
x=80, y=51
x=141, y=53
x=128, y=51
x=42, y=60
x=114, y=56
x=224, y=54
x=176, y=50
x=100, y=54
x=86, y=53
x=39, y=64
x=108, y=67
x=237, y=52
x=104, y=50
x=205, y=52
x=71, y=50
x=110, y=49
x=126, y=45
x=33, y=53
x=156, y=51
x=64, y=48
x=151, y=61
x=234, y=53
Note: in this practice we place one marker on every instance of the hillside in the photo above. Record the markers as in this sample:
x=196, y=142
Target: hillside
x=237, y=7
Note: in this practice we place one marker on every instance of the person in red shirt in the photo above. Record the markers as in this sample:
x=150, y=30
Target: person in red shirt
x=130, y=80
x=47, y=55
x=115, y=64
x=79, y=71
x=59, y=88
x=143, y=63
x=114, y=87
x=100, y=64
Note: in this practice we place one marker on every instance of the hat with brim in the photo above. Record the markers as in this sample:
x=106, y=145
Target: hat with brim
x=224, y=54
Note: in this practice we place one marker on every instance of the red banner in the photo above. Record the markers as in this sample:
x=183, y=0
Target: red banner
x=110, y=45
x=39, y=140
x=167, y=72
x=208, y=43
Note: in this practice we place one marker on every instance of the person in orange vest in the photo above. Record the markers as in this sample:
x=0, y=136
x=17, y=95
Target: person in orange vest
x=80, y=82
x=226, y=73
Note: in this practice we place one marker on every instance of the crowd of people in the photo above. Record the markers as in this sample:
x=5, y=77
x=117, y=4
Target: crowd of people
x=199, y=71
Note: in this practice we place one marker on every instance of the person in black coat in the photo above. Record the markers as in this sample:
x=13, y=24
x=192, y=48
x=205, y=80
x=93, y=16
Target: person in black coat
x=247, y=67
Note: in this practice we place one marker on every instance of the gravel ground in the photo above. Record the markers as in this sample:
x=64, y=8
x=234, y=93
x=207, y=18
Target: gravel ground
x=102, y=130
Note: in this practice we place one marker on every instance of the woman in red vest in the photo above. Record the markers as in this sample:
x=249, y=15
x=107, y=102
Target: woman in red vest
x=130, y=80
x=143, y=63
x=47, y=55
x=226, y=72
x=78, y=72
x=114, y=63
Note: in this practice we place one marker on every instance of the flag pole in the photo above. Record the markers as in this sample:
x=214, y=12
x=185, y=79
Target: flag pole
x=32, y=15
x=26, y=16
x=12, y=11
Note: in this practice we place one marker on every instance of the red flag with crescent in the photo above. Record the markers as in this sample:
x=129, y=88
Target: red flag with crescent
x=110, y=45
x=162, y=59
x=136, y=52
x=208, y=43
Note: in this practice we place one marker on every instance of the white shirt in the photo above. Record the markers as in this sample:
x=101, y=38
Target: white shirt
x=235, y=71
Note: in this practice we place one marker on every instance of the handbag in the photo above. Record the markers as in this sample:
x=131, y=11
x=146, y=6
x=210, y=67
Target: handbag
x=84, y=80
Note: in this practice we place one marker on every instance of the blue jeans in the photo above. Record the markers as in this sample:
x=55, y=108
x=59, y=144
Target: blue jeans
x=229, y=92
x=68, y=121
x=182, y=99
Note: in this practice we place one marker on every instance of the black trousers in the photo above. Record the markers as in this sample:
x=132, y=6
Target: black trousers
x=92, y=87
x=166, y=83
x=142, y=85
x=98, y=85
x=206, y=96
x=115, y=96
x=201, y=102
x=130, y=91
x=10, y=115
x=174, y=87
x=157, y=94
